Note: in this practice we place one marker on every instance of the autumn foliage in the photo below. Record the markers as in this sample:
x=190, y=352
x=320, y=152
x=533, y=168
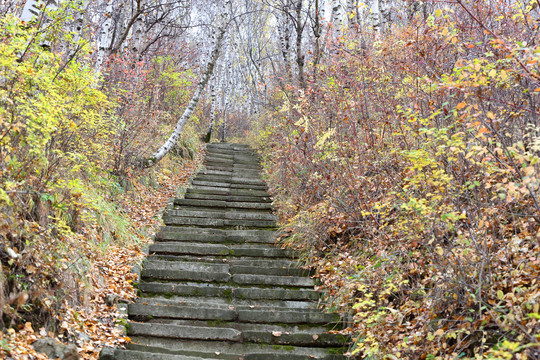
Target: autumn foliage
x=75, y=208
x=407, y=172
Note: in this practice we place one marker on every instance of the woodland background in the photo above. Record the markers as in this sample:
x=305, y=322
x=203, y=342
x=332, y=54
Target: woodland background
x=401, y=141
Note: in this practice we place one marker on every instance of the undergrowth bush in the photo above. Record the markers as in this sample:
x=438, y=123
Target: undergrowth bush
x=408, y=173
x=65, y=159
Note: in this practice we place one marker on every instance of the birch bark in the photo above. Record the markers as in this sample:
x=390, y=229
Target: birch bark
x=168, y=145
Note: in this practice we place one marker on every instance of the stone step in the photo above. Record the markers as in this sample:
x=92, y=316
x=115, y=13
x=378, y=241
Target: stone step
x=220, y=154
x=231, y=178
x=245, y=176
x=209, y=160
x=272, y=280
x=217, y=209
x=247, y=170
x=257, y=199
x=269, y=267
x=231, y=350
x=142, y=311
x=169, y=219
x=208, y=249
x=124, y=354
x=185, y=332
x=311, y=328
x=234, y=159
x=232, y=164
x=217, y=213
x=225, y=302
x=228, y=146
x=227, y=291
x=227, y=192
x=268, y=270
x=154, y=264
x=228, y=332
x=187, y=234
x=185, y=270
x=228, y=185
x=222, y=204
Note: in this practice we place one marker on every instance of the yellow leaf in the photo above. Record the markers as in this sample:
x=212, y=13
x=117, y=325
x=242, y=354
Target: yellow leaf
x=504, y=75
x=491, y=115
x=500, y=295
x=493, y=73
x=439, y=250
x=439, y=332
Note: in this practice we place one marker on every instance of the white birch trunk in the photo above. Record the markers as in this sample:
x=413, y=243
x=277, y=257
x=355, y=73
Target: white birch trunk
x=105, y=36
x=168, y=145
x=77, y=27
x=213, y=108
x=375, y=14
x=30, y=10
x=337, y=17
x=138, y=36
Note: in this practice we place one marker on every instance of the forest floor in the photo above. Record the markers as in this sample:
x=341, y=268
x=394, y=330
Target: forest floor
x=95, y=324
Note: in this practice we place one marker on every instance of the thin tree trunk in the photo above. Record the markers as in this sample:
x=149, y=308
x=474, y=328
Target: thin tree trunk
x=129, y=25
x=168, y=145
x=299, y=55
x=31, y=9
x=212, y=109
x=317, y=34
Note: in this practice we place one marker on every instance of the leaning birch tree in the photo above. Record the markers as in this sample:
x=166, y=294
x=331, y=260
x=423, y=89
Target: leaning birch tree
x=192, y=105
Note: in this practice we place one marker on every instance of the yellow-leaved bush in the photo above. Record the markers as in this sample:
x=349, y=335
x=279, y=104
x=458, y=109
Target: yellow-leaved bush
x=55, y=152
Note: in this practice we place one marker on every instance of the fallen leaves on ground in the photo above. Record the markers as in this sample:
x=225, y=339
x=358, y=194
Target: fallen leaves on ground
x=94, y=324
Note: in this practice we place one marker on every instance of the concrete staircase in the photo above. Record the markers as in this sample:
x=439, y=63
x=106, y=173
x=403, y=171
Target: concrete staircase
x=215, y=287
